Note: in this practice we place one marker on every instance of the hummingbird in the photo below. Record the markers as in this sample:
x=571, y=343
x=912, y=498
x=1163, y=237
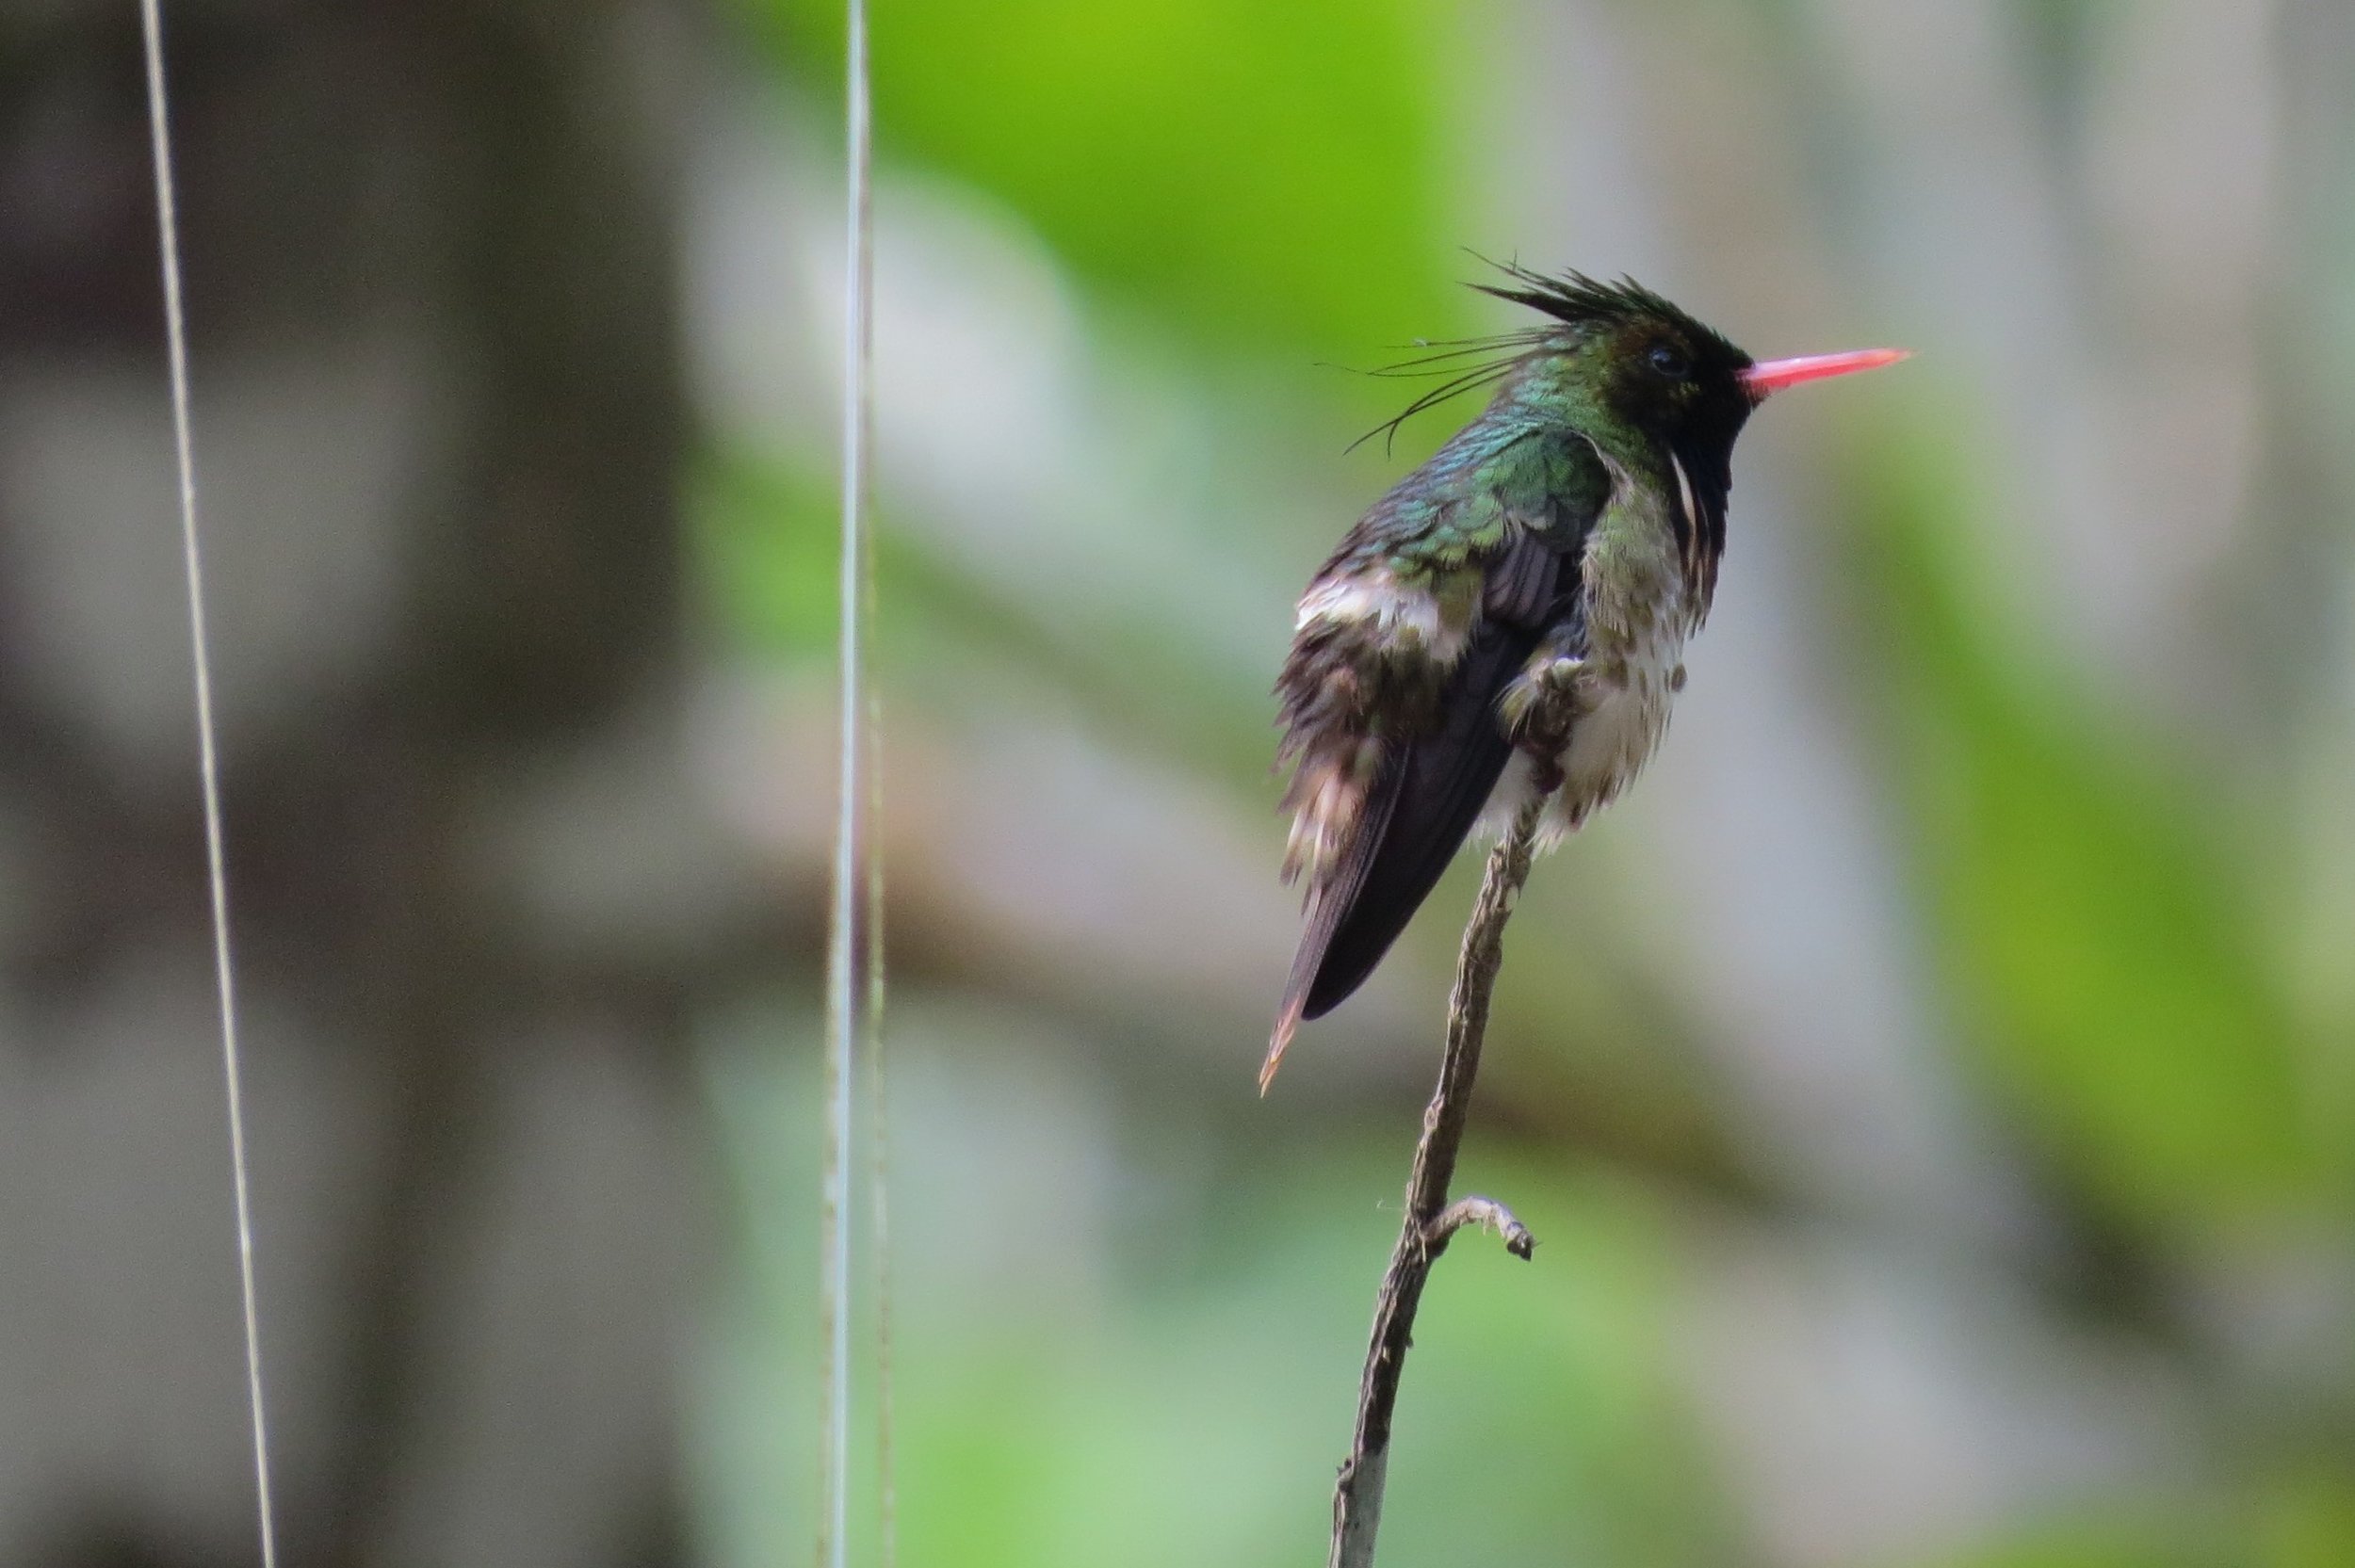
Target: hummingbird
x=1511, y=617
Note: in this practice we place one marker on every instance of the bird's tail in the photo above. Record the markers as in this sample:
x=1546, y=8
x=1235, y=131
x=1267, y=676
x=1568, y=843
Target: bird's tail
x=1324, y=918
x=1332, y=894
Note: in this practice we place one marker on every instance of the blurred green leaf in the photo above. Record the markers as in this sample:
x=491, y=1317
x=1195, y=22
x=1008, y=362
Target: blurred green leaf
x=1294, y=191
x=2304, y=1522
x=767, y=546
x=2309, y=1519
x=2097, y=939
x=2108, y=1545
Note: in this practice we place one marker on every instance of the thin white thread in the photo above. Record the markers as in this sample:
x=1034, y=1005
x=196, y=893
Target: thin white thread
x=879, y=1124
x=176, y=336
x=843, y=965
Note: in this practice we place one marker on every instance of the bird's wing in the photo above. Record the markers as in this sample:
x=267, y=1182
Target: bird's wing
x=1443, y=780
x=1414, y=793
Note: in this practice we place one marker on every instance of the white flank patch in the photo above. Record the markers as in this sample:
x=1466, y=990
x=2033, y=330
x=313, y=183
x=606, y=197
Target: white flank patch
x=1396, y=614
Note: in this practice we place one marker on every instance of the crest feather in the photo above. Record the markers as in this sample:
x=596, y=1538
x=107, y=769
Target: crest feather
x=1576, y=299
x=1572, y=299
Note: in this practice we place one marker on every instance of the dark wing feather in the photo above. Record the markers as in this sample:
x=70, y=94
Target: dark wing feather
x=1443, y=781
x=1447, y=778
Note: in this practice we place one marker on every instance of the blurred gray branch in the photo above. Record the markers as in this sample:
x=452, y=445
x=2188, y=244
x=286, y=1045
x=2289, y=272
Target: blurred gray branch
x=1431, y=1220
x=440, y=424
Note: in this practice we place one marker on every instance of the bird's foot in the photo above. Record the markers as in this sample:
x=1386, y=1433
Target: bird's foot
x=1541, y=705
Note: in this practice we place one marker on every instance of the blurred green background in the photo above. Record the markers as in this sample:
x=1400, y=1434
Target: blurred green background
x=1933, y=1088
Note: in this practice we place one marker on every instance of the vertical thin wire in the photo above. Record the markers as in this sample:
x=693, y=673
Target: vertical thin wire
x=879, y=1118
x=850, y=848
x=208, y=761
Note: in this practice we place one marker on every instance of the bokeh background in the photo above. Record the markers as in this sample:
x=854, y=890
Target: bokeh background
x=1933, y=1090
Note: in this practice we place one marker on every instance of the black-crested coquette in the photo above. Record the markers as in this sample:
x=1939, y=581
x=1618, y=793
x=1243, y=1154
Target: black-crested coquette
x=1512, y=615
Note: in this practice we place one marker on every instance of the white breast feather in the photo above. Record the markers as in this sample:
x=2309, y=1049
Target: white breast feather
x=1631, y=677
x=1611, y=742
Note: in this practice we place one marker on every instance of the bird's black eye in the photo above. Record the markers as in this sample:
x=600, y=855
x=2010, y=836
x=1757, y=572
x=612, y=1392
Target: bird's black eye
x=1667, y=361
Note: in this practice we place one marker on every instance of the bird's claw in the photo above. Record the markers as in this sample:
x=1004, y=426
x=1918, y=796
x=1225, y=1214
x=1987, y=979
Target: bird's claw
x=1540, y=707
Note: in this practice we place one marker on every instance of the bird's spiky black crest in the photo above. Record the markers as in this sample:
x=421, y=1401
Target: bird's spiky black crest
x=1573, y=299
x=1576, y=299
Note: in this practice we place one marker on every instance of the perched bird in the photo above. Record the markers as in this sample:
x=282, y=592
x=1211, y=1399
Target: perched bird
x=1512, y=616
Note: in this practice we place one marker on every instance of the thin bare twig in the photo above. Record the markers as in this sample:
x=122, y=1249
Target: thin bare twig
x=1430, y=1221
x=1480, y=1211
